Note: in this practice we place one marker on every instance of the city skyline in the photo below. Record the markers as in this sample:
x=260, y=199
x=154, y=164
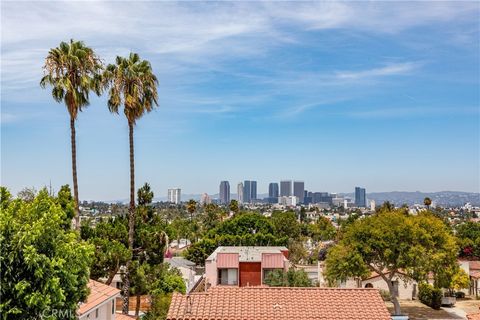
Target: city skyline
x=340, y=93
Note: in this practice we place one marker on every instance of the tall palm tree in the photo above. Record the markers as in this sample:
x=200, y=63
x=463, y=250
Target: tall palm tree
x=73, y=70
x=133, y=86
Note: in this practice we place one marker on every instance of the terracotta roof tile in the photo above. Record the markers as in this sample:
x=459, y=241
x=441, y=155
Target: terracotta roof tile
x=99, y=292
x=474, y=265
x=280, y=303
x=475, y=274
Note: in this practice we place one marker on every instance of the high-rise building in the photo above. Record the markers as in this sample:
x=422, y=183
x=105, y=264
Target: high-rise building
x=174, y=195
x=360, y=197
x=299, y=190
x=240, y=192
x=253, y=192
x=286, y=188
x=273, y=190
x=205, y=199
x=249, y=191
x=224, y=192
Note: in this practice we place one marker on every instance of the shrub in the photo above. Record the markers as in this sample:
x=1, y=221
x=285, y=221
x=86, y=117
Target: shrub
x=430, y=296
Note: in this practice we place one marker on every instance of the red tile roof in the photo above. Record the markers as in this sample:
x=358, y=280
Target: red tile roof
x=475, y=274
x=99, y=293
x=474, y=265
x=279, y=303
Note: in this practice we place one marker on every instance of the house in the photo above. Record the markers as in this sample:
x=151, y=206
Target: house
x=244, y=266
x=403, y=289
x=187, y=269
x=279, y=303
x=472, y=268
x=100, y=303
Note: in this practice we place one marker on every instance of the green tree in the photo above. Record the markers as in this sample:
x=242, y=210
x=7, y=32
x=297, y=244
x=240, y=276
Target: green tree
x=191, y=207
x=110, y=239
x=73, y=70
x=291, y=278
x=468, y=235
x=427, y=202
x=322, y=229
x=391, y=241
x=286, y=224
x=233, y=206
x=43, y=266
x=133, y=85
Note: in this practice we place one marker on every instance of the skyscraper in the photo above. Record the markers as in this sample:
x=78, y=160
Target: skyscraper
x=286, y=188
x=240, y=192
x=249, y=191
x=253, y=192
x=224, y=192
x=174, y=195
x=360, y=197
x=273, y=190
x=299, y=190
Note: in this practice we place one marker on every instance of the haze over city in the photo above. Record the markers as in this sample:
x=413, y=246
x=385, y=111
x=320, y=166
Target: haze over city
x=380, y=95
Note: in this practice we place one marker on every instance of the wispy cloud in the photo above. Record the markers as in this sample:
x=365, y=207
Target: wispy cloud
x=389, y=70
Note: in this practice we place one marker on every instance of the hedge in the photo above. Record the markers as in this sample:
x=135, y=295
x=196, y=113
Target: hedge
x=430, y=296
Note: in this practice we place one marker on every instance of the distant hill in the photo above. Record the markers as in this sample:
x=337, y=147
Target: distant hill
x=442, y=198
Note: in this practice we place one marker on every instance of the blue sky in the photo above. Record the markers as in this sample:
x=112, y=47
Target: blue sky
x=383, y=95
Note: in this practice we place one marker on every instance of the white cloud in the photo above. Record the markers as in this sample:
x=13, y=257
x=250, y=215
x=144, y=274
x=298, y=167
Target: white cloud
x=389, y=70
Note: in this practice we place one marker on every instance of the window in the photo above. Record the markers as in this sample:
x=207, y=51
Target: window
x=266, y=272
x=113, y=306
x=369, y=285
x=228, y=276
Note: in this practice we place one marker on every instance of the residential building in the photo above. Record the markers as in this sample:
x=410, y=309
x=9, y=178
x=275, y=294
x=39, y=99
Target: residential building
x=186, y=268
x=299, y=190
x=273, y=190
x=279, y=303
x=360, y=197
x=100, y=303
x=224, y=192
x=244, y=266
x=240, y=193
x=174, y=195
x=285, y=188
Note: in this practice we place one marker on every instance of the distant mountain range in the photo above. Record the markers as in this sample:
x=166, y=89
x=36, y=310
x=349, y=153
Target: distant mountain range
x=442, y=198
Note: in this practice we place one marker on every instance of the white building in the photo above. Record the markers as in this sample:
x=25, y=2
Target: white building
x=174, y=195
x=205, y=199
x=372, y=205
x=289, y=201
x=240, y=193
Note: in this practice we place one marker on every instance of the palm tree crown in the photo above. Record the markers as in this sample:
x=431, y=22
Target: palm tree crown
x=73, y=70
x=133, y=85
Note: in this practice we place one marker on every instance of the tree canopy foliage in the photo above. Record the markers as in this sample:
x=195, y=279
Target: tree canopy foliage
x=391, y=241
x=44, y=265
x=246, y=229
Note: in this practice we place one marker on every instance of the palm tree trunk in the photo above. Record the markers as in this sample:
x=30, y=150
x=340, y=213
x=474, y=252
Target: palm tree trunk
x=131, y=222
x=74, y=172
